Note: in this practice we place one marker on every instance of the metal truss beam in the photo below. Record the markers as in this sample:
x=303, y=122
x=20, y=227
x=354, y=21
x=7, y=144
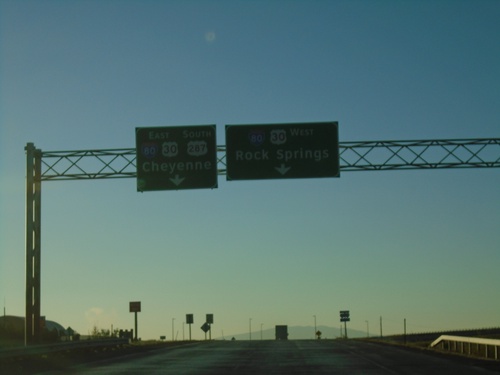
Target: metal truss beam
x=88, y=164
x=354, y=156
x=423, y=154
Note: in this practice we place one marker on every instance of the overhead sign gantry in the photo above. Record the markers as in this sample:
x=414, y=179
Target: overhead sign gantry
x=95, y=164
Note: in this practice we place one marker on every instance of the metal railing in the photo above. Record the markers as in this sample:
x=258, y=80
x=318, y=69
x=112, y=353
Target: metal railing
x=468, y=345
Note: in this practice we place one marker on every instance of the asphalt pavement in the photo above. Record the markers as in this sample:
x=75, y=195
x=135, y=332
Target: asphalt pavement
x=289, y=357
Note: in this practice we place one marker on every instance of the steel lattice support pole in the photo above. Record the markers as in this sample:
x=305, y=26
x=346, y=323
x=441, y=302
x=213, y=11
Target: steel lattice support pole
x=32, y=325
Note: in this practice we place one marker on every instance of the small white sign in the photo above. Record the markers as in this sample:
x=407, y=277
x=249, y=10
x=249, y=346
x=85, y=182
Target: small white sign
x=197, y=148
x=170, y=149
x=278, y=136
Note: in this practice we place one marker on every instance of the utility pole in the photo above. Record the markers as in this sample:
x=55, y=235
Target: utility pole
x=173, y=329
x=314, y=326
x=381, y=326
x=405, y=331
x=250, y=328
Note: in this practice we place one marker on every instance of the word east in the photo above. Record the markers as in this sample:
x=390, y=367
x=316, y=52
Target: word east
x=156, y=135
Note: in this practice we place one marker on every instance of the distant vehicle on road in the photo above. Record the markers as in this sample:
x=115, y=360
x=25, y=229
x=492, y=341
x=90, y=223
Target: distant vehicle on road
x=281, y=332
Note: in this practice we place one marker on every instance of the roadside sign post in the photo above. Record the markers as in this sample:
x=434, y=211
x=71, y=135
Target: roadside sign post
x=205, y=328
x=345, y=317
x=176, y=158
x=189, y=320
x=210, y=321
x=282, y=151
x=135, y=307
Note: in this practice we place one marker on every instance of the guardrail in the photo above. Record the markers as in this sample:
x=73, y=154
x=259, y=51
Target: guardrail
x=51, y=348
x=464, y=345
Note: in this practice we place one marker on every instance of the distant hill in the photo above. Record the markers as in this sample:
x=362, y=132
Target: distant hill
x=295, y=333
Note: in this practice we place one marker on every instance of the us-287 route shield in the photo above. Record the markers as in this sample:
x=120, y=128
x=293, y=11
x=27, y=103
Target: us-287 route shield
x=176, y=157
x=277, y=151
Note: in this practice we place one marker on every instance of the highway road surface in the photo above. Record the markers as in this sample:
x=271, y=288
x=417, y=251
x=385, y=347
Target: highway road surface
x=287, y=357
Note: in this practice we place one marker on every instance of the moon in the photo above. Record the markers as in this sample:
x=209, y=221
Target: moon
x=210, y=36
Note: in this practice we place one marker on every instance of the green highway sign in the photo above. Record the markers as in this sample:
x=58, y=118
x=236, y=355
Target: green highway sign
x=279, y=151
x=135, y=306
x=176, y=157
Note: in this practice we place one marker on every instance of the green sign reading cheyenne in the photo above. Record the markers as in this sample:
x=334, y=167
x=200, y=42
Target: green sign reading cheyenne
x=176, y=157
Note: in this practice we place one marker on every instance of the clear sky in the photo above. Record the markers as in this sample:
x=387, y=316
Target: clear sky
x=420, y=245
